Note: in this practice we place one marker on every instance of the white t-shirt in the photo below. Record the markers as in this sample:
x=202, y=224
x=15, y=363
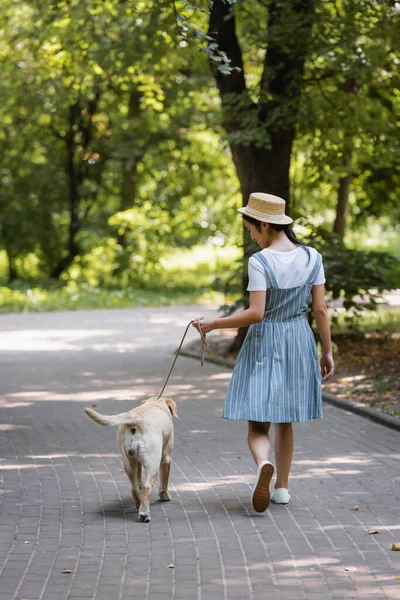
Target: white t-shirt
x=291, y=269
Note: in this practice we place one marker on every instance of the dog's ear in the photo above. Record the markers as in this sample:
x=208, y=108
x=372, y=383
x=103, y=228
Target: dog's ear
x=172, y=407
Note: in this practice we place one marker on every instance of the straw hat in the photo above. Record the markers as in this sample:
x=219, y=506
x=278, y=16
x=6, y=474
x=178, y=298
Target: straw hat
x=266, y=208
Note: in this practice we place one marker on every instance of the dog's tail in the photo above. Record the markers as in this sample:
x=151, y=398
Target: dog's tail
x=121, y=419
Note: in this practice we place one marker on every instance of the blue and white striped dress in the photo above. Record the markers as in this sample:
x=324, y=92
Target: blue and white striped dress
x=277, y=377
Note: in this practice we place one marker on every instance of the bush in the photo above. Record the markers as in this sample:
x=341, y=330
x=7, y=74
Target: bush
x=357, y=277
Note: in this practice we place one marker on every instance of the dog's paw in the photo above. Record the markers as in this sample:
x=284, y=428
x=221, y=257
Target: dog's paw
x=144, y=517
x=163, y=496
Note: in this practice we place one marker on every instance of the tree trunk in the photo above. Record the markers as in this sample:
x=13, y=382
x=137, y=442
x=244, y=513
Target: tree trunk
x=128, y=192
x=262, y=163
x=342, y=205
x=12, y=267
x=130, y=165
x=73, y=181
x=265, y=169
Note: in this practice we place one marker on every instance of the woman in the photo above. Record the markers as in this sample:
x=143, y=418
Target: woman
x=277, y=378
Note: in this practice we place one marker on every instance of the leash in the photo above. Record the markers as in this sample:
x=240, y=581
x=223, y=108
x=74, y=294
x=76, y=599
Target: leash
x=203, y=344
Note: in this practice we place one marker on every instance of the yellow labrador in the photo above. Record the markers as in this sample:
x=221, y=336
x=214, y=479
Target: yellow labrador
x=145, y=439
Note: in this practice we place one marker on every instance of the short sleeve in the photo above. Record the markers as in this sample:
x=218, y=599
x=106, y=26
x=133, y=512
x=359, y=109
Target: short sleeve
x=258, y=279
x=320, y=276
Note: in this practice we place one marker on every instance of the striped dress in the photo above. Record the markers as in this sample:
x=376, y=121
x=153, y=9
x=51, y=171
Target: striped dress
x=277, y=377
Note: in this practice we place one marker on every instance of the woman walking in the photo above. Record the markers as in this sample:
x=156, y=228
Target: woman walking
x=277, y=378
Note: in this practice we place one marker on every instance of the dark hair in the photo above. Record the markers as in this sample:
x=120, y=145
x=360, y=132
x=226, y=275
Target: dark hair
x=290, y=234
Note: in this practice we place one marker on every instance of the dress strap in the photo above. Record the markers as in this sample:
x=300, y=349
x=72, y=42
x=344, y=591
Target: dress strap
x=267, y=267
x=315, y=269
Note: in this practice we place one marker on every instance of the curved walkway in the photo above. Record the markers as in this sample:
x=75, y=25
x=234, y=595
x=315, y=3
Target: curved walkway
x=67, y=527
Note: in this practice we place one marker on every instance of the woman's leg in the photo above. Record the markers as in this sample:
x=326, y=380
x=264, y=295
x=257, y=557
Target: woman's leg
x=258, y=438
x=283, y=453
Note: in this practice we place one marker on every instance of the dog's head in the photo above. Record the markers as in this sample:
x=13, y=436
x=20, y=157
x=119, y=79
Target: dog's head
x=168, y=401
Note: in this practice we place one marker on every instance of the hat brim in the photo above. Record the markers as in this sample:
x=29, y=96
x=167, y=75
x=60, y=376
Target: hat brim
x=274, y=219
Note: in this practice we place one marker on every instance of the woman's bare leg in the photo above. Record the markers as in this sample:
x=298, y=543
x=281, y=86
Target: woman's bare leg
x=283, y=453
x=258, y=438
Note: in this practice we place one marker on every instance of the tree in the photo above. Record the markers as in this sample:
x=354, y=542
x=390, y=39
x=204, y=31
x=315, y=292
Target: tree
x=347, y=131
x=261, y=130
x=261, y=121
x=113, y=116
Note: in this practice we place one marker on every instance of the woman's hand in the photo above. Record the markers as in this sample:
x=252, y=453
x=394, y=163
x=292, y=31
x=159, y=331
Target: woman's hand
x=203, y=326
x=327, y=366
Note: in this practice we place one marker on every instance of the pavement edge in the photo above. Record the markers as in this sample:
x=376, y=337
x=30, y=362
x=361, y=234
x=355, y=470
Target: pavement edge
x=357, y=408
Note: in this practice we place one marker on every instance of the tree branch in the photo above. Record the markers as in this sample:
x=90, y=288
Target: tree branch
x=222, y=31
x=374, y=92
x=289, y=34
x=327, y=97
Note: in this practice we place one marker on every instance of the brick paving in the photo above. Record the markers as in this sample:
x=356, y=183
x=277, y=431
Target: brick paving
x=66, y=505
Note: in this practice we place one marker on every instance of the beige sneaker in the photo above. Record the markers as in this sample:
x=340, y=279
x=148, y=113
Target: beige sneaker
x=280, y=496
x=261, y=494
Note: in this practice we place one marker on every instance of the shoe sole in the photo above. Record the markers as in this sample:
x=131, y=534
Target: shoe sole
x=261, y=494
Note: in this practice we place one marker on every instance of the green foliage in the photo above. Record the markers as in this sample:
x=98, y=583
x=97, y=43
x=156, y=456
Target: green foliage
x=355, y=276
x=85, y=297
x=355, y=279
x=383, y=322
x=146, y=230
x=99, y=124
x=350, y=110
x=185, y=277
x=116, y=99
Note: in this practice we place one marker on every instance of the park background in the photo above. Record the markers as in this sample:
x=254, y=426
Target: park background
x=131, y=131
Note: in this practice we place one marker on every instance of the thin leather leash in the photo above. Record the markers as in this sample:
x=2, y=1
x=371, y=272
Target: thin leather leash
x=203, y=344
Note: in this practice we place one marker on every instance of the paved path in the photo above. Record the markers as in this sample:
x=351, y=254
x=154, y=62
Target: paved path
x=66, y=505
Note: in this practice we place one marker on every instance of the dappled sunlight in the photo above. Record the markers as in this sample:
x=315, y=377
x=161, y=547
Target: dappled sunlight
x=122, y=339
x=159, y=320
x=48, y=340
x=99, y=395
x=327, y=471
x=307, y=561
x=321, y=474
x=92, y=473
x=201, y=431
x=96, y=390
x=214, y=482
x=292, y=575
x=355, y=527
x=19, y=467
x=212, y=471
x=220, y=376
x=333, y=460
x=5, y=404
x=51, y=456
x=11, y=427
x=47, y=460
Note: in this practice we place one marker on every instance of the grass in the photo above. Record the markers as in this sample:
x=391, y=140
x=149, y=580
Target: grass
x=378, y=236
x=85, y=297
x=382, y=322
x=187, y=277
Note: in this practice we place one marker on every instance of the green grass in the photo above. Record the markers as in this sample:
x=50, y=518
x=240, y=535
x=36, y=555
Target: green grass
x=187, y=277
x=383, y=321
x=375, y=235
x=85, y=297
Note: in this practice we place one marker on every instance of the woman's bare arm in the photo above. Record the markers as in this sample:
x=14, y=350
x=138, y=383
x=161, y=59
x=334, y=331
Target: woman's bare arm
x=321, y=317
x=251, y=315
